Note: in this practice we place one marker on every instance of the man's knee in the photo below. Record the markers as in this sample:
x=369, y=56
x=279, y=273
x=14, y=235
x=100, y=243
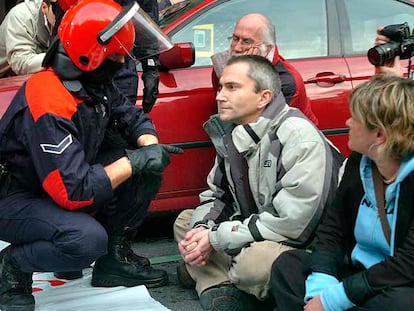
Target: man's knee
x=182, y=224
x=245, y=268
x=89, y=242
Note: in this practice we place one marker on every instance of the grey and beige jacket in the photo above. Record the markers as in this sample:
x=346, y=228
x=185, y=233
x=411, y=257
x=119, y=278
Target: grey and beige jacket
x=292, y=173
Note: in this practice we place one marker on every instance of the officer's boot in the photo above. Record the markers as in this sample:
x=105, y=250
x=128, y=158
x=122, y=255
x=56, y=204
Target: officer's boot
x=122, y=267
x=68, y=275
x=15, y=286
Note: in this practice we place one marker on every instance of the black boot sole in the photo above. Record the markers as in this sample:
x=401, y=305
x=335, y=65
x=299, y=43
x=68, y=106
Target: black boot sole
x=101, y=278
x=69, y=275
x=111, y=280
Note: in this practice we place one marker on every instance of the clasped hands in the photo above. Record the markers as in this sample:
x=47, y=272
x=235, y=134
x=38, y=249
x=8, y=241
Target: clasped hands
x=151, y=158
x=195, y=248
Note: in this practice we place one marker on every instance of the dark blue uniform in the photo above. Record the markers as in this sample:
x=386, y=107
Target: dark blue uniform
x=54, y=144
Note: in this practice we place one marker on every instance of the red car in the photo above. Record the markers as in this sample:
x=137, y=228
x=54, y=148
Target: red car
x=326, y=40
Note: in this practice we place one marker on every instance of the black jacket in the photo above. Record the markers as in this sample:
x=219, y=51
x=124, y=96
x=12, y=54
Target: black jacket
x=335, y=238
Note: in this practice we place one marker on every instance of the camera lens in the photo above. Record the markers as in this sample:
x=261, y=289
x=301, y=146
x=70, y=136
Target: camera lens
x=380, y=54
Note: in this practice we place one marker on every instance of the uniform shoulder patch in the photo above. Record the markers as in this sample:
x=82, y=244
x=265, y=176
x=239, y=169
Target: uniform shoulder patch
x=58, y=148
x=45, y=93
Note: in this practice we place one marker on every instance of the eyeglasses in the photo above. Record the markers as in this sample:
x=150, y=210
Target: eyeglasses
x=245, y=43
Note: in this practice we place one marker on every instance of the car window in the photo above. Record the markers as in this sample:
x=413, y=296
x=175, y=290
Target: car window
x=301, y=30
x=365, y=16
x=173, y=12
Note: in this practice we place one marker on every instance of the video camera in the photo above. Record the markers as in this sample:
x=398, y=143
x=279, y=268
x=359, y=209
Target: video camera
x=401, y=44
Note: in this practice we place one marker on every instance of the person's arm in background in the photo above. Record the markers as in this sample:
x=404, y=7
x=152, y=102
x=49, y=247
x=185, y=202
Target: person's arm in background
x=23, y=54
x=150, y=76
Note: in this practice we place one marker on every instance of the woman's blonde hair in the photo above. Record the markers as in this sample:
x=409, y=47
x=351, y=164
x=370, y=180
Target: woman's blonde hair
x=387, y=103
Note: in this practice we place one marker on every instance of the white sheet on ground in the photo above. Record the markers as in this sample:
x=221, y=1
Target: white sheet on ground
x=52, y=294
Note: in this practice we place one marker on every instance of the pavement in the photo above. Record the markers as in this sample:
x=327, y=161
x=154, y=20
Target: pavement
x=155, y=240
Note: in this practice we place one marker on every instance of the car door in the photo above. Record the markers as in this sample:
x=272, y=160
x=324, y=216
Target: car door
x=306, y=34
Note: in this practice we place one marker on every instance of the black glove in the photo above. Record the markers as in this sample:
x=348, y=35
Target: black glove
x=151, y=78
x=152, y=184
x=151, y=159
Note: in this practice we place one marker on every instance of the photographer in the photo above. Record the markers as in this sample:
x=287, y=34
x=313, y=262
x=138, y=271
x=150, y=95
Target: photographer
x=392, y=44
x=393, y=67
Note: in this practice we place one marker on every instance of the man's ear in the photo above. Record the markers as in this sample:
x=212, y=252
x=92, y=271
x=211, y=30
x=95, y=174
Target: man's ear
x=44, y=7
x=265, y=98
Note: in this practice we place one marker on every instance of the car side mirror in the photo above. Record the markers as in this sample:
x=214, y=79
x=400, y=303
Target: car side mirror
x=181, y=55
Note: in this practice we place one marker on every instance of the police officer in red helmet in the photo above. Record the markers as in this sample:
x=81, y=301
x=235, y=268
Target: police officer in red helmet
x=69, y=195
x=126, y=79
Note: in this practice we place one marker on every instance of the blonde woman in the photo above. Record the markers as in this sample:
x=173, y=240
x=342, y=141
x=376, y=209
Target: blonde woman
x=364, y=254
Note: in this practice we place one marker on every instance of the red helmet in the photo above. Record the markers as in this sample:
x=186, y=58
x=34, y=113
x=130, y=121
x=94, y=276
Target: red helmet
x=93, y=29
x=66, y=4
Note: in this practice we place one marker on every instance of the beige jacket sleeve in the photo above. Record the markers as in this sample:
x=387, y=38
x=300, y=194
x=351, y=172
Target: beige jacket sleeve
x=24, y=53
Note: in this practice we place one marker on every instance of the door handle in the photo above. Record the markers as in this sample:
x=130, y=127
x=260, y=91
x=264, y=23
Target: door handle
x=326, y=79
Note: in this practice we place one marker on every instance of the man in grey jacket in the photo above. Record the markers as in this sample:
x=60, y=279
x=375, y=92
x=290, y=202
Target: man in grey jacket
x=273, y=174
x=24, y=37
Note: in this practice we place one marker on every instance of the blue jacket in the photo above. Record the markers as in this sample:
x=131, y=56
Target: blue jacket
x=392, y=267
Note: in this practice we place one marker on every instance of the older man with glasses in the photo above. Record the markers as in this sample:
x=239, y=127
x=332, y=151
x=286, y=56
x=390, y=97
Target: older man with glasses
x=255, y=34
x=24, y=37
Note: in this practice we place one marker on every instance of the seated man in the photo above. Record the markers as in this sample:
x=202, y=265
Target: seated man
x=255, y=34
x=273, y=173
x=24, y=37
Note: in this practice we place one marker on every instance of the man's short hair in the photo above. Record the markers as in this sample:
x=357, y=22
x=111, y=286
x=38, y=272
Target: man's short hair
x=261, y=71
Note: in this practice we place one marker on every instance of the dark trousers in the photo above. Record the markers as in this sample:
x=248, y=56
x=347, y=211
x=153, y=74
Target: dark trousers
x=131, y=199
x=46, y=237
x=289, y=272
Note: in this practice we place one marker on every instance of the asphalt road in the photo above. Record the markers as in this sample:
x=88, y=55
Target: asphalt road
x=155, y=240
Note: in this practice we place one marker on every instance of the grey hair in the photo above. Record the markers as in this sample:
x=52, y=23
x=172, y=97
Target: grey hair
x=261, y=71
x=269, y=32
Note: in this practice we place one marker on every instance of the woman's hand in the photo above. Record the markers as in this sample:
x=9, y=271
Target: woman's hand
x=315, y=304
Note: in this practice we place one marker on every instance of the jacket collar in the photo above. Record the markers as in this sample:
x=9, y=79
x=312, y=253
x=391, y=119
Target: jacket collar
x=246, y=137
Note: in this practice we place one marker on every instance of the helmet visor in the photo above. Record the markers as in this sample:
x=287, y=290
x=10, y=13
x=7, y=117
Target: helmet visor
x=150, y=40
